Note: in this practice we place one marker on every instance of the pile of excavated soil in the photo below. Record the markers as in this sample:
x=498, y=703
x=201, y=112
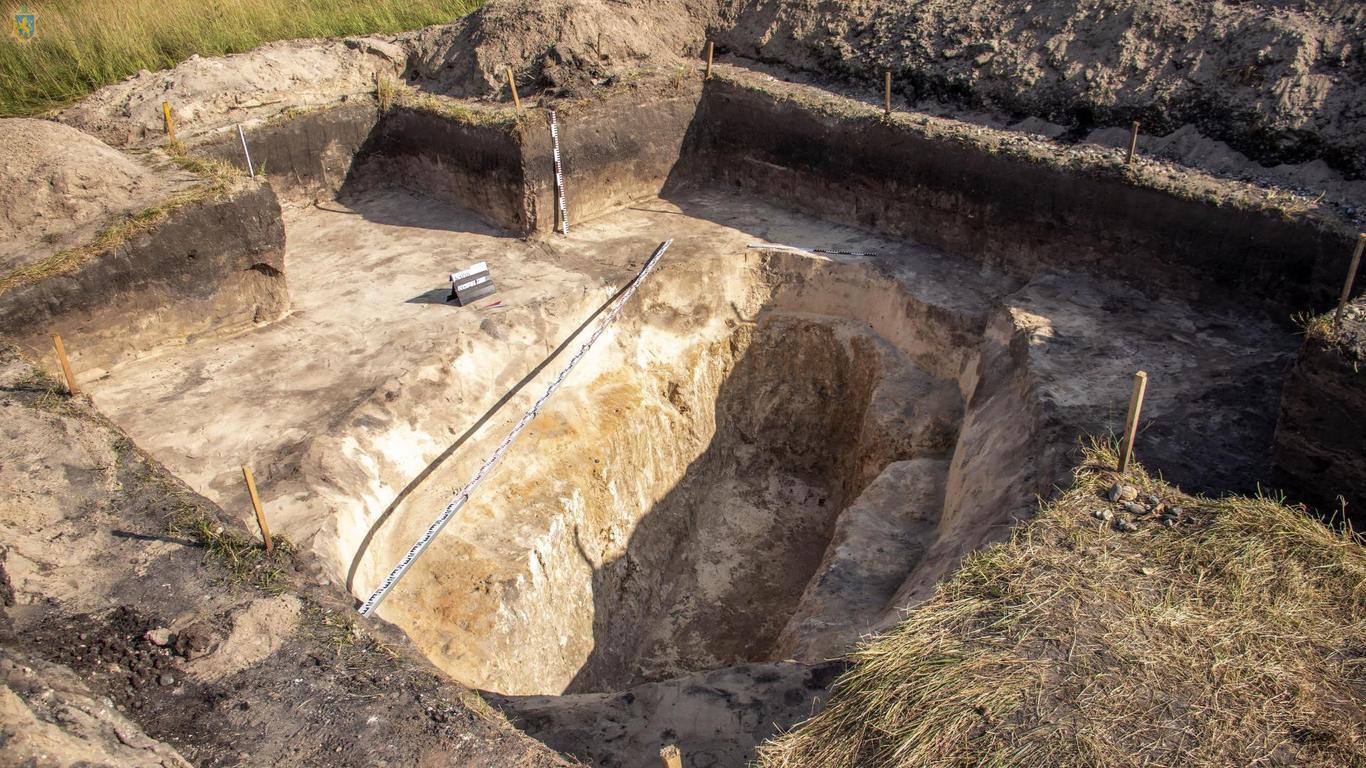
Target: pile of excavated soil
x=214, y=93
x=1279, y=82
x=566, y=45
x=56, y=179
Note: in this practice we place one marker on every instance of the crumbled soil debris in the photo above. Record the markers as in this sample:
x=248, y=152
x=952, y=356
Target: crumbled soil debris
x=1278, y=83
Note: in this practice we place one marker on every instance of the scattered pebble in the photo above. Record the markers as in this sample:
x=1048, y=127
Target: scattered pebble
x=165, y=679
x=1125, y=526
x=1135, y=509
x=1103, y=514
x=160, y=636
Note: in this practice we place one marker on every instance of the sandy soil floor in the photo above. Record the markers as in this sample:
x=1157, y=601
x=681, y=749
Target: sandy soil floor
x=369, y=288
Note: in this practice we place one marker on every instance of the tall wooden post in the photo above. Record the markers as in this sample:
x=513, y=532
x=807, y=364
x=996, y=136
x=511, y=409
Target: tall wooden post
x=711, y=49
x=1351, y=278
x=1126, y=449
x=256, y=505
x=1133, y=144
x=887, y=92
x=71, y=388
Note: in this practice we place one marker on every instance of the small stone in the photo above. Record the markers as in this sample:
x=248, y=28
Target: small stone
x=1125, y=526
x=1176, y=511
x=1152, y=500
x=160, y=636
x=1168, y=521
x=1128, y=493
x=165, y=679
x=1113, y=493
x=1103, y=514
x=1135, y=509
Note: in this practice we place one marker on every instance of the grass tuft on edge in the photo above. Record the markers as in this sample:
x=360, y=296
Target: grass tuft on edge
x=1237, y=637
x=83, y=45
x=218, y=178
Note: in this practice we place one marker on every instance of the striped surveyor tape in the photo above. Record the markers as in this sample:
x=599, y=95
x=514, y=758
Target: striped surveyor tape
x=463, y=495
x=559, y=173
x=771, y=247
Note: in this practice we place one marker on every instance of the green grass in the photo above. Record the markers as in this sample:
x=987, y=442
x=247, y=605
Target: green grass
x=1237, y=637
x=85, y=44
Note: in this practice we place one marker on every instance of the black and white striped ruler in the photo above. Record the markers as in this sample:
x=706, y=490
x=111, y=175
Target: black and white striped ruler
x=771, y=247
x=559, y=173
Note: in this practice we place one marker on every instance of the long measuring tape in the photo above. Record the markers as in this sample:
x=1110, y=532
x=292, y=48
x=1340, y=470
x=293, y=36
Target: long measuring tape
x=764, y=247
x=415, y=551
x=559, y=173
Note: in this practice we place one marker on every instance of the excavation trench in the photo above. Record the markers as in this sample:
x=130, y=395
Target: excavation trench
x=772, y=452
x=673, y=509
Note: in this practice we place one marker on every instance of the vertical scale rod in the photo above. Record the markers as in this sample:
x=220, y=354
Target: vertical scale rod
x=1133, y=144
x=887, y=92
x=1126, y=449
x=512, y=86
x=245, y=151
x=166, y=117
x=71, y=388
x=559, y=173
x=711, y=49
x=256, y=505
x=1351, y=278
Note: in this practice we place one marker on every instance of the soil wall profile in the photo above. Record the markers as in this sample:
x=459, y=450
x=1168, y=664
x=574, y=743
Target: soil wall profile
x=210, y=266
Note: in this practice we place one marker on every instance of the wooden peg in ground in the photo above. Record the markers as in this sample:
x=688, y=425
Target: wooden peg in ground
x=1126, y=449
x=71, y=388
x=256, y=505
x=711, y=49
x=1133, y=144
x=1351, y=278
x=166, y=117
x=512, y=86
x=671, y=757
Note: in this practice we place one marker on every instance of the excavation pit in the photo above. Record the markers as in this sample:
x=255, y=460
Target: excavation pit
x=772, y=452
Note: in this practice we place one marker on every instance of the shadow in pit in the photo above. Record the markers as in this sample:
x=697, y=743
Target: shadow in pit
x=493, y=410
x=715, y=569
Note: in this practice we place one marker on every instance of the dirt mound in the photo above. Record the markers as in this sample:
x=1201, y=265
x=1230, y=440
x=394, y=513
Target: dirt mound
x=206, y=94
x=561, y=44
x=1279, y=83
x=56, y=179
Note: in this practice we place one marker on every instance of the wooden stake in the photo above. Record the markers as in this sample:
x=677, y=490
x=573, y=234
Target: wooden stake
x=1133, y=144
x=256, y=504
x=1351, y=278
x=1126, y=449
x=512, y=86
x=170, y=124
x=887, y=92
x=671, y=757
x=71, y=388
x=711, y=49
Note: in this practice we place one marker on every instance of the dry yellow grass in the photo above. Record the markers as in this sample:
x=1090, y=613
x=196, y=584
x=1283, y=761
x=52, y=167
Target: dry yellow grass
x=1235, y=638
x=85, y=44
